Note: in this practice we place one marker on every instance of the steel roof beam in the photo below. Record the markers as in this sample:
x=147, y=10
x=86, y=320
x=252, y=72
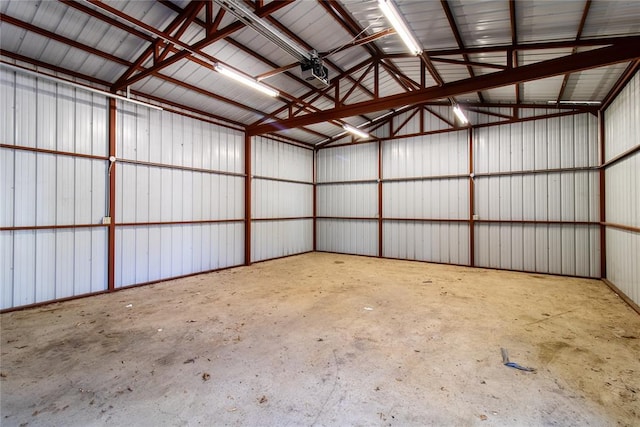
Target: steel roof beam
x=469, y=64
x=440, y=116
x=341, y=16
x=306, y=45
x=247, y=50
x=513, y=58
x=150, y=50
x=61, y=39
x=620, y=52
x=458, y=37
x=187, y=49
x=585, y=12
x=602, y=41
x=319, y=93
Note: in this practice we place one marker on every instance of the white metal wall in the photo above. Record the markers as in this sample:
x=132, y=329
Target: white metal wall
x=425, y=190
x=281, y=199
x=347, y=199
x=49, y=189
x=180, y=196
x=533, y=180
x=622, y=190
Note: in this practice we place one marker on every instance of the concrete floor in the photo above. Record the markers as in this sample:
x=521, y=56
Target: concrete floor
x=323, y=339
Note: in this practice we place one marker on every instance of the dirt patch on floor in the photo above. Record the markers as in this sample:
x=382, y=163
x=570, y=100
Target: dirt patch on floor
x=323, y=339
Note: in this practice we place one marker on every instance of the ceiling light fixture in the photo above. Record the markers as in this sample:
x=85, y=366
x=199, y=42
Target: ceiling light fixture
x=246, y=80
x=250, y=19
x=394, y=17
x=575, y=102
x=460, y=114
x=355, y=131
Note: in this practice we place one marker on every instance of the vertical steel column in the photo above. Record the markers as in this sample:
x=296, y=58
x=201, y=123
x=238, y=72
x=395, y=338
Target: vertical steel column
x=603, y=218
x=111, y=240
x=315, y=200
x=247, y=199
x=379, y=198
x=472, y=235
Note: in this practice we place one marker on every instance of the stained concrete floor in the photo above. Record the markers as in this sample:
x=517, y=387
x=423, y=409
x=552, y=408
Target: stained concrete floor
x=324, y=339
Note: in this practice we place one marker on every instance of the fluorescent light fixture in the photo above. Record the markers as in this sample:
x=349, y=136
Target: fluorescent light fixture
x=575, y=102
x=262, y=27
x=460, y=114
x=357, y=132
x=246, y=80
x=394, y=17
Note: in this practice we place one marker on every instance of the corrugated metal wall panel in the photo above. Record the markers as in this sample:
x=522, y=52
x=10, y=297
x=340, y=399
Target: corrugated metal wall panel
x=556, y=143
x=622, y=120
x=172, y=139
x=47, y=189
x=278, y=160
x=348, y=163
x=433, y=199
x=623, y=268
x=50, y=264
x=149, y=253
x=427, y=241
x=348, y=236
x=273, y=239
x=273, y=198
x=559, y=249
x=348, y=200
x=422, y=156
x=43, y=189
x=564, y=142
x=160, y=193
x=563, y=196
x=153, y=194
x=7, y=103
x=622, y=180
x=623, y=192
x=52, y=116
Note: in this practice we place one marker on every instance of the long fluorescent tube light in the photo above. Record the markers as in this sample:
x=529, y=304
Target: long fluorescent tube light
x=357, y=132
x=399, y=25
x=241, y=78
x=77, y=85
x=460, y=114
x=575, y=102
x=248, y=17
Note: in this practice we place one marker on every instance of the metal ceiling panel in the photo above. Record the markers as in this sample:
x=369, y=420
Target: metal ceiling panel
x=53, y=52
x=150, y=12
x=204, y=103
x=494, y=58
x=612, y=18
x=541, y=90
x=451, y=72
x=482, y=23
x=545, y=20
x=533, y=56
x=593, y=85
x=500, y=94
x=309, y=21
